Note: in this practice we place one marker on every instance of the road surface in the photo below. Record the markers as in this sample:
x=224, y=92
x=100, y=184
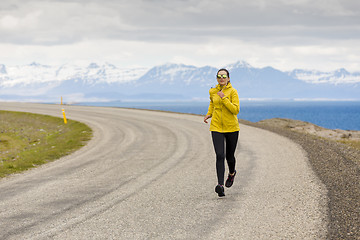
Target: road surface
x=151, y=175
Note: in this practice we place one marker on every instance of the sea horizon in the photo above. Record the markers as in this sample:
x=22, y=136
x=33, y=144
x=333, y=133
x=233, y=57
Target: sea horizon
x=333, y=114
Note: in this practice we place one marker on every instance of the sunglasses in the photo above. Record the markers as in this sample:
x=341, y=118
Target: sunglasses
x=222, y=76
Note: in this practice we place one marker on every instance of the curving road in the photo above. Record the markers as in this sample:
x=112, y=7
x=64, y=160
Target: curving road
x=151, y=175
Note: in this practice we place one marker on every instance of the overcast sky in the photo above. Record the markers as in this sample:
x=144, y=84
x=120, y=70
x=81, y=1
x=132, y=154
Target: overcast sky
x=285, y=34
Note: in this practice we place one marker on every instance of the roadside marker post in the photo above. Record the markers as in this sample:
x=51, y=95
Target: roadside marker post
x=63, y=111
x=65, y=121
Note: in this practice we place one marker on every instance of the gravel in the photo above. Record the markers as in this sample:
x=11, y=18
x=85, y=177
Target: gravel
x=337, y=166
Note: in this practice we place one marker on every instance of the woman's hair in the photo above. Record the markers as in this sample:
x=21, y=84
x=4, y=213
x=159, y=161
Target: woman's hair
x=227, y=72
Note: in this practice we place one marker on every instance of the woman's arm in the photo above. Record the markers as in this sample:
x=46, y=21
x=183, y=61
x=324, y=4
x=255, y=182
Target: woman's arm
x=206, y=118
x=234, y=105
x=210, y=111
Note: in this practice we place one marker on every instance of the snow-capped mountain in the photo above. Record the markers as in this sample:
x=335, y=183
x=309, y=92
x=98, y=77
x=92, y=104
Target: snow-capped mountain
x=107, y=82
x=340, y=76
x=36, y=73
x=238, y=64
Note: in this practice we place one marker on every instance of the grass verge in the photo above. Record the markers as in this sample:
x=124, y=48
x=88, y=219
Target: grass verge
x=28, y=140
x=352, y=143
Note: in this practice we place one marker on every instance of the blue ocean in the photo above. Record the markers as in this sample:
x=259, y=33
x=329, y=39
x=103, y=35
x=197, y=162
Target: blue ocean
x=329, y=114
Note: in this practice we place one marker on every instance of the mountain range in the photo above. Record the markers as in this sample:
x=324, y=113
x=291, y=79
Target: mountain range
x=169, y=82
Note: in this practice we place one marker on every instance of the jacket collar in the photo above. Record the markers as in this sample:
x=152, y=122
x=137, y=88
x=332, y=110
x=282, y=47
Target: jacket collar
x=225, y=87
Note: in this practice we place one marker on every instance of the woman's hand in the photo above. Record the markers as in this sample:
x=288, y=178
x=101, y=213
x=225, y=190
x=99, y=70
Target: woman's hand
x=206, y=118
x=221, y=94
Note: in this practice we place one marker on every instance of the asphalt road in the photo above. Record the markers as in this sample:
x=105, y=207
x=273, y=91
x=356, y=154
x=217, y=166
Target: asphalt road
x=151, y=175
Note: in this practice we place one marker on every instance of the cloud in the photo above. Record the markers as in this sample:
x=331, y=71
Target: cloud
x=64, y=22
x=197, y=30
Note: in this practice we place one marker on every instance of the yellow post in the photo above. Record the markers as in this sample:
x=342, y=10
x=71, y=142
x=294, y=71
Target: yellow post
x=61, y=100
x=65, y=121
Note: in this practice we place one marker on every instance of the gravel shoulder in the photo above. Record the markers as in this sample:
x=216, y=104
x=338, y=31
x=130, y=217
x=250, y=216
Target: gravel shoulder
x=337, y=165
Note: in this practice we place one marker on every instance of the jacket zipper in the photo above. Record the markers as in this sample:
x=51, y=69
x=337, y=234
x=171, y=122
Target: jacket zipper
x=221, y=108
x=222, y=122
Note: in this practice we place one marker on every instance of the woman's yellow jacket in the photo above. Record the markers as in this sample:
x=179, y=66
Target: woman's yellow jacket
x=224, y=111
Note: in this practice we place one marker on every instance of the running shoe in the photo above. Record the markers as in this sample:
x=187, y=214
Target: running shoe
x=230, y=180
x=219, y=189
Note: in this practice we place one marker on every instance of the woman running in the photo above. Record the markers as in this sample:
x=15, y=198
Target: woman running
x=223, y=109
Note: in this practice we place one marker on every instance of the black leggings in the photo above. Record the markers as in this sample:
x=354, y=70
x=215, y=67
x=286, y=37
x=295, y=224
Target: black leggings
x=219, y=139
